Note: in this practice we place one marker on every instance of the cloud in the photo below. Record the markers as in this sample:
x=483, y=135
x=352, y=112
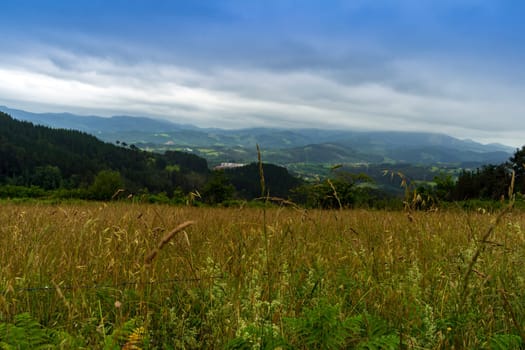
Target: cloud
x=437, y=98
x=316, y=66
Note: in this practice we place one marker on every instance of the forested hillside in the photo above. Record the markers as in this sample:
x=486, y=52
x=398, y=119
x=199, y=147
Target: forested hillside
x=42, y=158
x=51, y=158
x=278, y=181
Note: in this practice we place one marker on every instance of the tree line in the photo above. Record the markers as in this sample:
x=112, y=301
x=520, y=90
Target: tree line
x=490, y=182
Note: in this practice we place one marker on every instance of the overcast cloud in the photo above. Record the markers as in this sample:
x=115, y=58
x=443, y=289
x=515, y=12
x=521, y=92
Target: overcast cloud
x=442, y=66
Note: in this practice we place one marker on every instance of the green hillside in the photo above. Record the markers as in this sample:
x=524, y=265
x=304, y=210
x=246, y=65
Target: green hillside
x=52, y=158
x=33, y=156
x=287, y=147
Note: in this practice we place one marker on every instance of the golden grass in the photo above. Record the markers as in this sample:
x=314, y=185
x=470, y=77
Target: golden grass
x=167, y=238
x=377, y=261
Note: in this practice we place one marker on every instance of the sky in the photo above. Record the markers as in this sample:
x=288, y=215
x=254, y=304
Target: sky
x=448, y=66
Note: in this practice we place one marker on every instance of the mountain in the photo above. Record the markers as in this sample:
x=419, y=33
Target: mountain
x=410, y=140
x=282, y=146
x=93, y=124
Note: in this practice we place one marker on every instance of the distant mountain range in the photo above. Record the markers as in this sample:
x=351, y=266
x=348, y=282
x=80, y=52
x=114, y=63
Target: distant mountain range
x=281, y=146
x=93, y=124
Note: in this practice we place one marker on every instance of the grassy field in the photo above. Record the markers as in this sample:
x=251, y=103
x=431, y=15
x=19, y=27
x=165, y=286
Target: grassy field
x=78, y=276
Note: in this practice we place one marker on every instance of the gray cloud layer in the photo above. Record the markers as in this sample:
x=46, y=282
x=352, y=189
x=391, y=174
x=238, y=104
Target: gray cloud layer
x=300, y=79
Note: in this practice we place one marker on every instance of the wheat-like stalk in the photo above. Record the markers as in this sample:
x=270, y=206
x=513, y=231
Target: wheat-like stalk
x=261, y=172
x=335, y=194
x=164, y=240
x=483, y=241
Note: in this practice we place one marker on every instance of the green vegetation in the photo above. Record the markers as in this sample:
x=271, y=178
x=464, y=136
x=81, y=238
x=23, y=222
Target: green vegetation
x=246, y=180
x=52, y=159
x=106, y=184
x=40, y=162
x=218, y=189
x=79, y=276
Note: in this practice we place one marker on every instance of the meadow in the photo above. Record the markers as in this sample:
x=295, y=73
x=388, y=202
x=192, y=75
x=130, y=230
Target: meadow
x=118, y=276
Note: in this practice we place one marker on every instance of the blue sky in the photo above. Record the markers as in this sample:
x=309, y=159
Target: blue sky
x=443, y=66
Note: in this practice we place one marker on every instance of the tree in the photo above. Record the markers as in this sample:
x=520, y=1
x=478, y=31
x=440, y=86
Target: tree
x=47, y=177
x=489, y=182
x=246, y=180
x=517, y=163
x=31, y=155
x=218, y=189
x=342, y=191
x=444, y=187
x=106, y=184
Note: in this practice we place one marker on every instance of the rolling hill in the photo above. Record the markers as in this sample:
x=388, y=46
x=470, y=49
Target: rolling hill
x=281, y=146
x=32, y=154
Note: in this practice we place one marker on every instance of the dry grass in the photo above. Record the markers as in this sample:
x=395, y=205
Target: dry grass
x=408, y=272
x=167, y=238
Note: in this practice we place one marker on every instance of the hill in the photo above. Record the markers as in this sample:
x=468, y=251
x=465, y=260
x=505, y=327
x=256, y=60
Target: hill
x=94, y=124
x=278, y=180
x=288, y=147
x=52, y=158
x=35, y=155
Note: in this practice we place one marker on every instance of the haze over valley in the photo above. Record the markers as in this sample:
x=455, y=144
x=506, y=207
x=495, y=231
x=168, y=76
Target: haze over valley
x=282, y=146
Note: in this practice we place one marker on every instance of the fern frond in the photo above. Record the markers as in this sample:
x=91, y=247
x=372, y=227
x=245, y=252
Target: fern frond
x=135, y=339
x=24, y=333
x=505, y=342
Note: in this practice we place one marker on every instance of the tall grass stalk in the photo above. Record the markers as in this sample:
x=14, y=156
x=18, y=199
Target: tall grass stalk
x=482, y=244
x=265, y=195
